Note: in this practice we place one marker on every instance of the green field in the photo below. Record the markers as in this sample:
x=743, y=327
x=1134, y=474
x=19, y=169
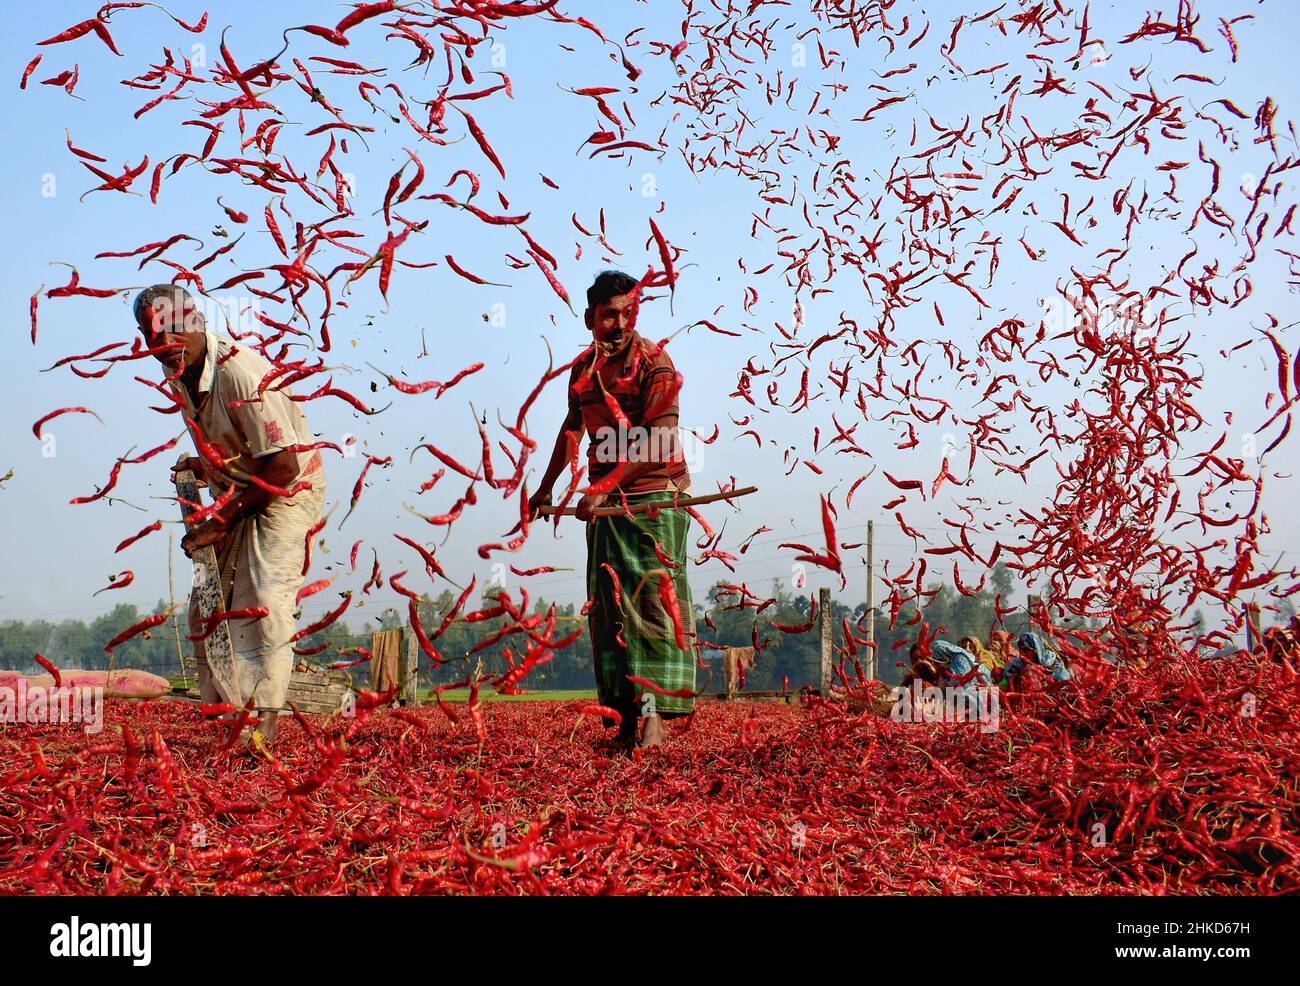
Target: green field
x=462, y=695
x=485, y=695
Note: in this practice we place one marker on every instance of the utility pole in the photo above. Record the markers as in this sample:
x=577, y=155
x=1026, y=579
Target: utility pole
x=410, y=685
x=1030, y=600
x=871, y=599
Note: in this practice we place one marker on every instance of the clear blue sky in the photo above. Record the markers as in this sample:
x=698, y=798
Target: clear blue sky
x=58, y=555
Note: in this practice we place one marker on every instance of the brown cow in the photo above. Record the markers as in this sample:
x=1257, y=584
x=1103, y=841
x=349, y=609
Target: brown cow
x=733, y=659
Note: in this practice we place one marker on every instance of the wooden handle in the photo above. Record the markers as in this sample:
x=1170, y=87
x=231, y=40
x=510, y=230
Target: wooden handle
x=640, y=508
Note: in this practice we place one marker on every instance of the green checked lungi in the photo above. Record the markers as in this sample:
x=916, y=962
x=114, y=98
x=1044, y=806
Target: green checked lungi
x=648, y=647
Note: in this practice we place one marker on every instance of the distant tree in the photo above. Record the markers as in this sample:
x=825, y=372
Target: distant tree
x=1002, y=581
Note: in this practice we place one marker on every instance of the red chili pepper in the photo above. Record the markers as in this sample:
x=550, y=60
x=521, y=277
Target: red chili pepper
x=363, y=12
x=329, y=390
x=329, y=34
x=447, y=460
x=325, y=621
x=136, y=629
x=472, y=368
x=658, y=690
x=624, y=144
x=665, y=255
x=482, y=141
x=451, y=262
x=551, y=279
x=120, y=581
x=451, y=613
x=371, y=460
x=67, y=78
x=211, y=623
x=410, y=187
x=27, y=72
x=413, y=611
x=73, y=289
x=80, y=30
x=104, y=490
x=430, y=562
x=473, y=182
x=311, y=590
x=155, y=526
x=476, y=714
x=234, y=216
x=668, y=598
x=602, y=712
x=54, y=672
x=36, y=428
x=312, y=531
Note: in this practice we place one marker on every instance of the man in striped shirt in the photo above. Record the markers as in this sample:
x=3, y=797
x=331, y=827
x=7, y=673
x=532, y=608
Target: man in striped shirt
x=623, y=393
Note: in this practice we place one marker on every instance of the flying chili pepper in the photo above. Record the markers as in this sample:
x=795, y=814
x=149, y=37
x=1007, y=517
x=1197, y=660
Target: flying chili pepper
x=481, y=139
x=36, y=428
x=120, y=581
x=27, y=72
x=136, y=629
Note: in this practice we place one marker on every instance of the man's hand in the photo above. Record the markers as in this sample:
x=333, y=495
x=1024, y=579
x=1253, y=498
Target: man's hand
x=209, y=532
x=542, y=498
x=589, y=503
x=195, y=465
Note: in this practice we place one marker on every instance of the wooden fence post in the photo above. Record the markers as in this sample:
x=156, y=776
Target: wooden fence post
x=872, y=664
x=824, y=621
x=409, y=693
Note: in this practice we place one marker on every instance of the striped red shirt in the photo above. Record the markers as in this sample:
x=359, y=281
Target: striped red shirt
x=642, y=381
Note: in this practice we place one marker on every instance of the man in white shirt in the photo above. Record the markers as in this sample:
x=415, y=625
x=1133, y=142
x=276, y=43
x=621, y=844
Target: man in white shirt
x=253, y=455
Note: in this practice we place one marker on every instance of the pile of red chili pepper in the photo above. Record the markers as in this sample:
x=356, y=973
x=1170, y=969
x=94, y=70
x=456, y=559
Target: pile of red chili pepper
x=1179, y=778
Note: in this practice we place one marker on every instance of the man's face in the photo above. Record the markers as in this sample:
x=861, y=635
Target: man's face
x=165, y=325
x=610, y=321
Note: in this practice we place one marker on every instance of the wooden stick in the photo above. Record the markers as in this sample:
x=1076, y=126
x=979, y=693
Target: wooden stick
x=640, y=508
x=210, y=598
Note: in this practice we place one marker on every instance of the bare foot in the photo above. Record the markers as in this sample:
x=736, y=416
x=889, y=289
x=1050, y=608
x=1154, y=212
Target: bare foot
x=653, y=734
x=266, y=730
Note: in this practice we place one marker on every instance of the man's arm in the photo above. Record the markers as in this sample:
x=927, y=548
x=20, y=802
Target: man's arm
x=278, y=469
x=566, y=441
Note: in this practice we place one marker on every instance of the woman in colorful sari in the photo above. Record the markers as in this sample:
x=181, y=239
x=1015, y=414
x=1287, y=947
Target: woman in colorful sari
x=1000, y=648
x=947, y=665
x=1034, y=651
x=991, y=660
